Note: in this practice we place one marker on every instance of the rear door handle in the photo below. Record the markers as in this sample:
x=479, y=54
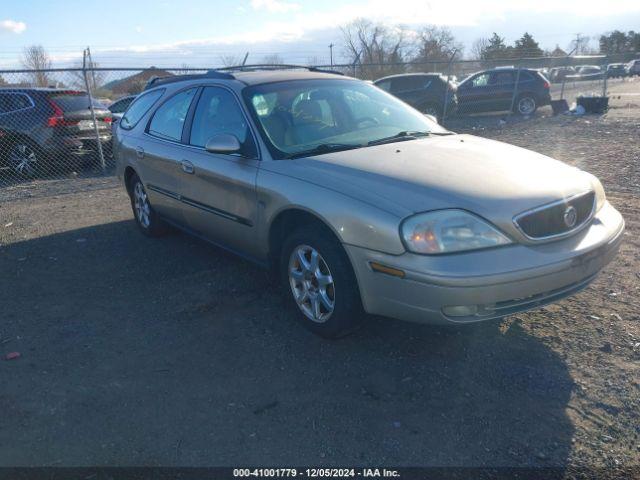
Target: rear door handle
x=187, y=166
x=140, y=152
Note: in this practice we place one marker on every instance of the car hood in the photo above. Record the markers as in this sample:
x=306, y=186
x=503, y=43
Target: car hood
x=490, y=178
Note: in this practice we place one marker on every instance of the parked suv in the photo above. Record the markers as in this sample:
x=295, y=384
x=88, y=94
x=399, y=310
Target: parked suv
x=616, y=70
x=358, y=202
x=633, y=67
x=493, y=90
x=426, y=92
x=41, y=126
x=558, y=74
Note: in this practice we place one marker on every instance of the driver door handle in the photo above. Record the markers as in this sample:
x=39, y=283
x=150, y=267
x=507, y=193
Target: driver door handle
x=187, y=166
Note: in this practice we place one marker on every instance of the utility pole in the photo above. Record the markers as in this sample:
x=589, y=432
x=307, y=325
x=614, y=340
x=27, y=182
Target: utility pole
x=575, y=49
x=87, y=63
x=331, y=53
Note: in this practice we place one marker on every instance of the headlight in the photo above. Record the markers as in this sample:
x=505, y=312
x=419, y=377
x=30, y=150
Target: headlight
x=446, y=231
x=600, y=196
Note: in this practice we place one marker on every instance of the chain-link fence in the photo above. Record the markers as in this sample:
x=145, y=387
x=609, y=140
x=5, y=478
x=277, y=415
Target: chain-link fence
x=56, y=124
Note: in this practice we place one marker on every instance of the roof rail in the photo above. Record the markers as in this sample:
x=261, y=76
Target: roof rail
x=275, y=66
x=157, y=81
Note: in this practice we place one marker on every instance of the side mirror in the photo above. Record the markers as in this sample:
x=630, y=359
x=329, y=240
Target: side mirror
x=223, y=143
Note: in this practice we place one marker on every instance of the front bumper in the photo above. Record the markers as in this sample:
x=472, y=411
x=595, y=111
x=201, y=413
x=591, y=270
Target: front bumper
x=499, y=281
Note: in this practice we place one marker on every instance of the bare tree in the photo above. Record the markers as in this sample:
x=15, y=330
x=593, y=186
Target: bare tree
x=581, y=45
x=183, y=70
x=136, y=87
x=314, y=61
x=36, y=58
x=273, y=59
x=96, y=78
x=231, y=60
x=376, y=48
x=478, y=48
x=437, y=45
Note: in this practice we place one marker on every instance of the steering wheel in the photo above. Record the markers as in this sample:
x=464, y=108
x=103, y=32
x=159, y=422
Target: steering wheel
x=365, y=120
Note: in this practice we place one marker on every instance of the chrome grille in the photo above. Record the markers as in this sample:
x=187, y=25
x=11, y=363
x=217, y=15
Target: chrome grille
x=558, y=218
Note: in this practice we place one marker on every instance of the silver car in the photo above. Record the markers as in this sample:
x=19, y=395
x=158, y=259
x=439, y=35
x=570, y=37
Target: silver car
x=358, y=202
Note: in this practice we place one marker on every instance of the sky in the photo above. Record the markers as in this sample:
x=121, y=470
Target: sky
x=199, y=32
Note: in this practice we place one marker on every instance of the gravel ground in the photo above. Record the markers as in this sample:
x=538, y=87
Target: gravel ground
x=170, y=352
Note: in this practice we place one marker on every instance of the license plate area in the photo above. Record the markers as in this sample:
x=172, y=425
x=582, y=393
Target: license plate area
x=85, y=125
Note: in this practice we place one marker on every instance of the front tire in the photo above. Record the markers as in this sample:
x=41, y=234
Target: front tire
x=319, y=282
x=147, y=219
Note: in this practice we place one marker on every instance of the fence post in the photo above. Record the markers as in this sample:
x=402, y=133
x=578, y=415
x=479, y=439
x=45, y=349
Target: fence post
x=93, y=113
x=446, y=90
x=604, y=81
x=515, y=90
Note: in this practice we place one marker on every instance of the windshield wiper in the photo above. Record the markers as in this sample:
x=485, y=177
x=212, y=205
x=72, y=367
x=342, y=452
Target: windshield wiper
x=324, y=148
x=400, y=137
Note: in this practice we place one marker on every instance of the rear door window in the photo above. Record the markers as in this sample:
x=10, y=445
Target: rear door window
x=139, y=108
x=168, y=120
x=407, y=84
x=503, y=78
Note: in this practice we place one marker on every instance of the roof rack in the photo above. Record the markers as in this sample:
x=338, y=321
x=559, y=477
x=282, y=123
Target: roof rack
x=157, y=81
x=275, y=66
x=220, y=73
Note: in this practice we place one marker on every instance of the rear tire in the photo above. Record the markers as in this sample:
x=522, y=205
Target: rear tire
x=24, y=159
x=319, y=283
x=147, y=219
x=526, y=104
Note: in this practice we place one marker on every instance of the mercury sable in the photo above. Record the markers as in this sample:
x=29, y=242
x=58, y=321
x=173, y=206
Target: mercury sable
x=359, y=203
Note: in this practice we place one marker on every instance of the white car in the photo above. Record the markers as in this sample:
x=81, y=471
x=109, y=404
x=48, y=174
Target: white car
x=633, y=67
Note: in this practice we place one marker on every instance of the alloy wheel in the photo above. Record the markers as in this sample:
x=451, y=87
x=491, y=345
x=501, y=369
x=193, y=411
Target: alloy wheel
x=311, y=283
x=141, y=205
x=526, y=105
x=23, y=160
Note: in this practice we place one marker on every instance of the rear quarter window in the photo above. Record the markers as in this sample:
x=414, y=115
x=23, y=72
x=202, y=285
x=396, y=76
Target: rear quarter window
x=12, y=102
x=138, y=109
x=384, y=85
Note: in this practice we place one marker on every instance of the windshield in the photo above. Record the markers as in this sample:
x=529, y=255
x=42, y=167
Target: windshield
x=299, y=116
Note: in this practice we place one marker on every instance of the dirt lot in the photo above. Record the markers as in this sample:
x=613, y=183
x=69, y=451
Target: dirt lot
x=171, y=352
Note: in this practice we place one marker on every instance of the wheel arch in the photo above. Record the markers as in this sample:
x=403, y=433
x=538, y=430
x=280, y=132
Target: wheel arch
x=528, y=93
x=285, y=222
x=129, y=173
x=11, y=138
x=521, y=95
